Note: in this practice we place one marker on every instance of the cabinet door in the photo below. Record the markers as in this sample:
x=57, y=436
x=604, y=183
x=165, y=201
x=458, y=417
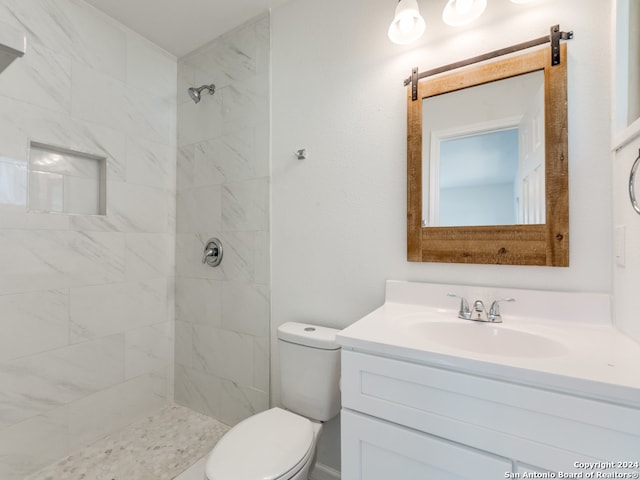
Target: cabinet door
x=373, y=449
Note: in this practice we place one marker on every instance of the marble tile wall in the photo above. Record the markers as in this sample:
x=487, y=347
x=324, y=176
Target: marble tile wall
x=222, y=314
x=86, y=301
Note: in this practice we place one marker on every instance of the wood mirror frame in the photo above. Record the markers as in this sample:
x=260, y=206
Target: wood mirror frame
x=543, y=244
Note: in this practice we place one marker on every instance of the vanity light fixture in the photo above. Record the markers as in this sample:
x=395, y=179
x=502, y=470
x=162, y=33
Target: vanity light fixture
x=407, y=25
x=461, y=12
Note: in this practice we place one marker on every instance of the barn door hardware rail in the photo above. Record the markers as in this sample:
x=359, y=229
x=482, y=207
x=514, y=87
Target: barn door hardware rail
x=553, y=38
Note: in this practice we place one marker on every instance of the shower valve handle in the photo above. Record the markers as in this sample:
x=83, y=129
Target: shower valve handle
x=212, y=252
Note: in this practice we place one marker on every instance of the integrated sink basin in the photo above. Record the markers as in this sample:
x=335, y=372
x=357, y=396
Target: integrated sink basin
x=561, y=341
x=486, y=338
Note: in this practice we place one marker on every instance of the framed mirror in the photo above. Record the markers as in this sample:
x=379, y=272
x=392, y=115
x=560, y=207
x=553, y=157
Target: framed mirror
x=487, y=164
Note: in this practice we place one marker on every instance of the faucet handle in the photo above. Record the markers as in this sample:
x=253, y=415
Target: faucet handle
x=494, y=311
x=464, y=311
x=211, y=252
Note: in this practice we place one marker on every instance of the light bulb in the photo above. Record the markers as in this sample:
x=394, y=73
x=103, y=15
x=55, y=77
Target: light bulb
x=461, y=12
x=463, y=6
x=407, y=25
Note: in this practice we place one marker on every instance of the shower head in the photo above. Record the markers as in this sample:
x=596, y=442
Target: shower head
x=194, y=93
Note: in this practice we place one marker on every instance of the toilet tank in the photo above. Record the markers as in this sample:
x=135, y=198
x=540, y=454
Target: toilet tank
x=309, y=370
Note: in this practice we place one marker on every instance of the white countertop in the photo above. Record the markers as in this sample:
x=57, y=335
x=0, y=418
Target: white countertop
x=595, y=360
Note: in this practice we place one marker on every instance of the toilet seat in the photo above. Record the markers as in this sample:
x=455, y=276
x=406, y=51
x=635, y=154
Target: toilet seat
x=271, y=445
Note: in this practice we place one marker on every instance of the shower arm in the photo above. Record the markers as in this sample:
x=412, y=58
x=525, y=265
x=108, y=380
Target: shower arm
x=211, y=88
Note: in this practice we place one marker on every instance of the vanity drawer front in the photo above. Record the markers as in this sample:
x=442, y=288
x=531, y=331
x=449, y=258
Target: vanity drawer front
x=535, y=426
x=377, y=450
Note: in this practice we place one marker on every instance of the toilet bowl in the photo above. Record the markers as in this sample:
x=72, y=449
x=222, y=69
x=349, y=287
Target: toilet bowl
x=272, y=445
x=280, y=444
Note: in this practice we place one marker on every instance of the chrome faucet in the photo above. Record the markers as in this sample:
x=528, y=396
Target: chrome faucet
x=478, y=310
x=464, y=311
x=492, y=316
x=494, y=312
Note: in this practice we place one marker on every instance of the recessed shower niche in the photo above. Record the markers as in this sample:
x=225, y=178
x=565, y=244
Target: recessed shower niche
x=66, y=181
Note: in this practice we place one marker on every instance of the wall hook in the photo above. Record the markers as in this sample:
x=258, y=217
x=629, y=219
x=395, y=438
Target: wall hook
x=301, y=154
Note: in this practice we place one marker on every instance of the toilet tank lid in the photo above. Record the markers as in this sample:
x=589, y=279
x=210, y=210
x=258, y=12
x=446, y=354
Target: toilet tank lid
x=309, y=335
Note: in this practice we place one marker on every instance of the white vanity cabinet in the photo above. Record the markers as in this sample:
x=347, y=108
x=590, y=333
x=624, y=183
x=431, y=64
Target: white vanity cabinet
x=383, y=450
x=408, y=420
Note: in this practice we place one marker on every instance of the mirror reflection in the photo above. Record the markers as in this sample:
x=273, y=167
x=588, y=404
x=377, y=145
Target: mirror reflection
x=483, y=154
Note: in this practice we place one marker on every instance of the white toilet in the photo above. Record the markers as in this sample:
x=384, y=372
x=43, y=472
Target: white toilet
x=278, y=444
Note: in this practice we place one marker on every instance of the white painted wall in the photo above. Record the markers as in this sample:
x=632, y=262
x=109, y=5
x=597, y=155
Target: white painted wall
x=338, y=218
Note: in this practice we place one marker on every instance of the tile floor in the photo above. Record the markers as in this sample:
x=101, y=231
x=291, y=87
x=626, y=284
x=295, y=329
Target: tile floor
x=195, y=471
x=170, y=444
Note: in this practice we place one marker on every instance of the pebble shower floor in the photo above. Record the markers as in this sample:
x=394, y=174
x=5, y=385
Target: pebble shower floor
x=159, y=447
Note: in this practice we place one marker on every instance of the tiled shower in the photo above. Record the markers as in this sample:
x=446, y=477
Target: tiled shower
x=94, y=308
x=222, y=313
